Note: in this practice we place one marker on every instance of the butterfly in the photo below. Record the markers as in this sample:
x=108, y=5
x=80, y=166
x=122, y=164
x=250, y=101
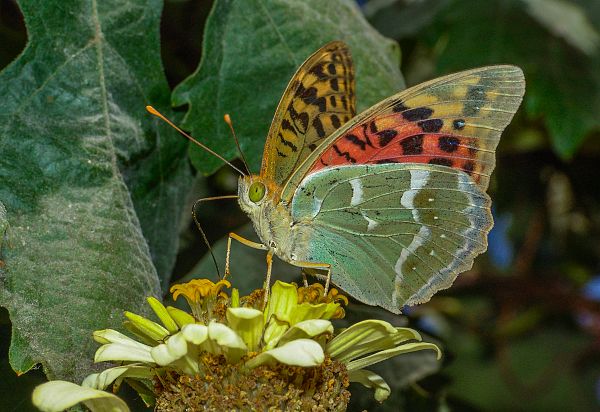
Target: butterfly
x=391, y=203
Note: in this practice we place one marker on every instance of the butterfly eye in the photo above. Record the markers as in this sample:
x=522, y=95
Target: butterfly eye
x=256, y=192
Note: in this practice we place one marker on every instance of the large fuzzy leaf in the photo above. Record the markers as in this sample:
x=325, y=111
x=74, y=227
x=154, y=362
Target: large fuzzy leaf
x=91, y=184
x=246, y=75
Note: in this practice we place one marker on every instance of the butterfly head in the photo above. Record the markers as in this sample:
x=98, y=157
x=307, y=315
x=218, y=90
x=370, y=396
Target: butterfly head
x=253, y=193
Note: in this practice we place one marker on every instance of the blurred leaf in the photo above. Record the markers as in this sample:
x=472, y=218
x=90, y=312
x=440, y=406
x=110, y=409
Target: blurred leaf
x=566, y=20
x=250, y=51
x=538, y=370
x=563, y=85
x=78, y=153
x=401, y=18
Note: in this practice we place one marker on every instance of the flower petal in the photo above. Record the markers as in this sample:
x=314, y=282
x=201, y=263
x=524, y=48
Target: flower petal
x=165, y=353
x=274, y=330
x=105, y=378
x=300, y=352
x=163, y=314
x=307, y=329
x=248, y=324
x=112, y=336
x=152, y=329
x=120, y=352
x=282, y=302
x=181, y=317
x=195, y=333
x=389, y=353
x=371, y=380
x=307, y=310
x=57, y=396
x=366, y=337
x=224, y=340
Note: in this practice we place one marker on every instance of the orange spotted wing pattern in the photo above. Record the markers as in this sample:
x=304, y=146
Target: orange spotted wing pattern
x=453, y=121
x=318, y=100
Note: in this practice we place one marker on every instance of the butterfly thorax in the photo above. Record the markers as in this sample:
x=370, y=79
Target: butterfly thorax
x=260, y=199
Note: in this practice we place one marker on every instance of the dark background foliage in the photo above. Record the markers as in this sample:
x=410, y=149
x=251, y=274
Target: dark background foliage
x=520, y=331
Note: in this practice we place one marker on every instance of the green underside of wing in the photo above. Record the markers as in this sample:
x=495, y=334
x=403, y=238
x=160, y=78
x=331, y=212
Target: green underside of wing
x=393, y=233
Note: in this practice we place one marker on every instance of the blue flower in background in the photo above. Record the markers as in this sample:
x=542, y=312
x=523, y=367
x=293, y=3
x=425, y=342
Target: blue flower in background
x=500, y=248
x=591, y=290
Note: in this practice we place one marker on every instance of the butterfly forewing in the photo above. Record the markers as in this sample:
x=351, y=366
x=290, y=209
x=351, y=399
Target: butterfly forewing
x=453, y=121
x=318, y=100
x=393, y=233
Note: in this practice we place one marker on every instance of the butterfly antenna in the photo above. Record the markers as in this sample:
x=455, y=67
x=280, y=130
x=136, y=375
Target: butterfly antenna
x=227, y=119
x=156, y=113
x=206, y=242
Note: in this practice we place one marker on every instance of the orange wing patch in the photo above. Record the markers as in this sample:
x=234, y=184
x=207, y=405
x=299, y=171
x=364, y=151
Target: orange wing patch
x=455, y=123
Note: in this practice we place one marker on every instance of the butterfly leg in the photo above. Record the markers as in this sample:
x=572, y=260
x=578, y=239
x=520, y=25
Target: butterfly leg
x=320, y=266
x=304, y=279
x=244, y=241
x=267, y=285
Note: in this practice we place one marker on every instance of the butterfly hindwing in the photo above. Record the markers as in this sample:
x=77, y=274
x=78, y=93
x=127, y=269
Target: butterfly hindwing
x=453, y=121
x=318, y=100
x=393, y=233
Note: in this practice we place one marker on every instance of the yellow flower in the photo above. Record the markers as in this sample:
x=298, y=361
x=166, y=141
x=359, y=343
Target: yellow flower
x=202, y=295
x=229, y=354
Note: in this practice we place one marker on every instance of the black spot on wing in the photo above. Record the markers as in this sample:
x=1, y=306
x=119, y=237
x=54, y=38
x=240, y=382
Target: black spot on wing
x=416, y=114
x=373, y=127
x=334, y=84
x=356, y=141
x=386, y=136
x=399, y=107
x=431, y=125
x=331, y=68
x=335, y=121
x=309, y=96
x=344, y=102
x=458, y=124
x=286, y=125
x=469, y=167
x=287, y=142
x=300, y=119
x=448, y=144
x=442, y=161
x=474, y=100
x=318, y=125
x=345, y=155
x=412, y=145
x=317, y=70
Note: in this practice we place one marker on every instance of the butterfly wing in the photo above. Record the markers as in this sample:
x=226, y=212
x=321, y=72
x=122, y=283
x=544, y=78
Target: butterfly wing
x=455, y=121
x=393, y=233
x=318, y=100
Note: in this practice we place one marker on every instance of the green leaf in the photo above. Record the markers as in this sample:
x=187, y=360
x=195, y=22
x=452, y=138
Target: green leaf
x=568, y=20
x=92, y=185
x=398, y=19
x=250, y=51
x=563, y=84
